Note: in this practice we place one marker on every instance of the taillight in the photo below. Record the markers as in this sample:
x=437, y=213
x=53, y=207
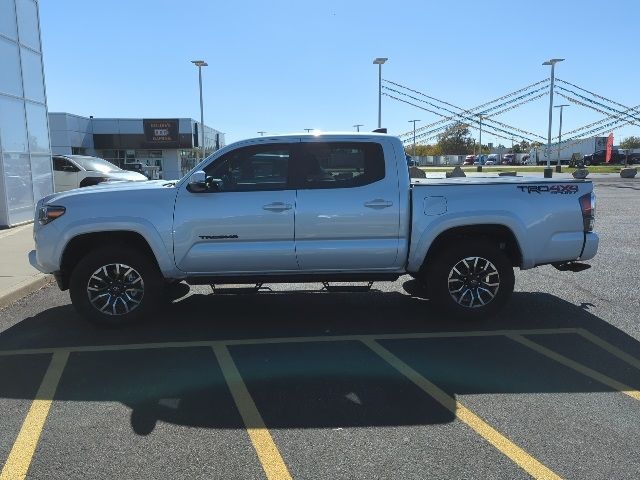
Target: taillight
x=588, y=207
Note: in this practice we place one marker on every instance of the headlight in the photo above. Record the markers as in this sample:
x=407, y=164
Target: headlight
x=48, y=213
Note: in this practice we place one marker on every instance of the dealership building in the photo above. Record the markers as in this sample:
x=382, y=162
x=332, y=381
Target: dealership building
x=159, y=147
x=25, y=154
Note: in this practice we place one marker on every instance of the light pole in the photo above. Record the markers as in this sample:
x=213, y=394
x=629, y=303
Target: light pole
x=414, y=136
x=262, y=132
x=480, y=140
x=547, y=171
x=379, y=62
x=357, y=126
x=200, y=64
x=561, y=107
x=308, y=129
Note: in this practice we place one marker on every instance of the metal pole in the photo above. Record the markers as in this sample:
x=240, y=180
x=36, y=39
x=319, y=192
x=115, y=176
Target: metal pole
x=262, y=132
x=379, y=95
x=560, y=134
x=358, y=126
x=480, y=141
x=414, y=136
x=553, y=65
x=201, y=108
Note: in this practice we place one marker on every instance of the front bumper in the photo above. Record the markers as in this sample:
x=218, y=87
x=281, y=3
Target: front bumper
x=33, y=260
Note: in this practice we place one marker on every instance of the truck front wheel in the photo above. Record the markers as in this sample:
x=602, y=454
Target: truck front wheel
x=115, y=284
x=470, y=280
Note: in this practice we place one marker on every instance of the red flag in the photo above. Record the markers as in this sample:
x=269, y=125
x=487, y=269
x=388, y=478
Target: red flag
x=607, y=159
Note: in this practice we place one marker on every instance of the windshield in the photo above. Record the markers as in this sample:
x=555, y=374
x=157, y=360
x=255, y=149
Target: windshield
x=95, y=164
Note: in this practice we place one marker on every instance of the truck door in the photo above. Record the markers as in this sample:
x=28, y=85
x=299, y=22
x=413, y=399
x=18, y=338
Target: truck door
x=347, y=210
x=244, y=222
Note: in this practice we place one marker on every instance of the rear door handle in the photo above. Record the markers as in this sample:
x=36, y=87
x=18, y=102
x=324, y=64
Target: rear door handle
x=378, y=203
x=277, y=206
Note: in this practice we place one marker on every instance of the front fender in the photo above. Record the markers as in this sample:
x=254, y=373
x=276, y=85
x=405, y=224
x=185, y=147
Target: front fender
x=161, y=247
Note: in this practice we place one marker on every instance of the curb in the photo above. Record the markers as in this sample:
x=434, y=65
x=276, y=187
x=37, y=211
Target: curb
x=24, y=288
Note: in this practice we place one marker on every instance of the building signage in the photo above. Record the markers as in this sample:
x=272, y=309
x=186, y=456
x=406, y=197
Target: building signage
x=161, y=132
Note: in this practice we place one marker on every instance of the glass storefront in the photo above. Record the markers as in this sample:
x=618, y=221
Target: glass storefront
x=25, y=151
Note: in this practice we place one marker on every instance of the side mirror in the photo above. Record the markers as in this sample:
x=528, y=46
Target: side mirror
x=197, y=182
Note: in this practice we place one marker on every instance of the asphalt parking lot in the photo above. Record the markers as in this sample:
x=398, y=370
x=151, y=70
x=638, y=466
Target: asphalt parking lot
x=306, y=384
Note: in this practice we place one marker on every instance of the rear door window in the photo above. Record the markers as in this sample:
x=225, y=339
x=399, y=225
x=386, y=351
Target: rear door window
x=339, y=164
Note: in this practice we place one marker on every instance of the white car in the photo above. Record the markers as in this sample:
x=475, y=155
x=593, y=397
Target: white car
x=74, y=171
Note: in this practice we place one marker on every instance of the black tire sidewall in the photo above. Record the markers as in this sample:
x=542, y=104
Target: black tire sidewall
x=146, y=266
x=437, y=274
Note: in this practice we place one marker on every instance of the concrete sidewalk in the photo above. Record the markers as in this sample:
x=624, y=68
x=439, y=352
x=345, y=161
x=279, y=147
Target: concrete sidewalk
x=17, y=277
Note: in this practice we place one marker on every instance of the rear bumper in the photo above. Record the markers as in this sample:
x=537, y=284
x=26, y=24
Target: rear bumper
x=591, y=241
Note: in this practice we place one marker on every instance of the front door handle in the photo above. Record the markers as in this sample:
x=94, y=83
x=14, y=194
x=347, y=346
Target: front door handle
x=277, y=207
x=378, y=203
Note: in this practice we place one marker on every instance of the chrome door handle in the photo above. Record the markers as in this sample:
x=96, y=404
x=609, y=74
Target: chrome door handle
x=277, y=207
x=378, y=203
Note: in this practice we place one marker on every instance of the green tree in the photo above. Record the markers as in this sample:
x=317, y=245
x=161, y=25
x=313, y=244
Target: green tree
x=423, y=150
x=630, y=142
x=456, y=140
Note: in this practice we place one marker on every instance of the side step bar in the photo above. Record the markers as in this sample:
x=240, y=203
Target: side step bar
x=347, y=288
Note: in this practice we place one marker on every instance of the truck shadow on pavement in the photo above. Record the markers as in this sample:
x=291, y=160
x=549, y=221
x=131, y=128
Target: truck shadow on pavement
x=319, y=383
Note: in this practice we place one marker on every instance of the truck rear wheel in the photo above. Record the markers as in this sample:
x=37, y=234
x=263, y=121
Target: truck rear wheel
x=470, y=280
x=115, y=284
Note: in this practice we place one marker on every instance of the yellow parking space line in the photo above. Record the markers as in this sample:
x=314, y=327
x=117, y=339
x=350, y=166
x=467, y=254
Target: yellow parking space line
x=516, y=454
x=268, y=454
x=19, y=459
x=624, y=356
x=578, y=367
x=265, y=341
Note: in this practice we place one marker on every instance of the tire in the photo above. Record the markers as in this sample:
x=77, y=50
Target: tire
x=482, y=285
x=115, y=285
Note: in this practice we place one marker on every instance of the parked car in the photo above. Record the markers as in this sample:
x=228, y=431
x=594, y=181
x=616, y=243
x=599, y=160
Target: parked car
x=74, y=171
x=469, y=160
x=257, y=212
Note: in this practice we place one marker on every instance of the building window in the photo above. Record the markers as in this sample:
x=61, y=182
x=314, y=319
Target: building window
x=28, y=30
x=10, y=81
x=8, y=19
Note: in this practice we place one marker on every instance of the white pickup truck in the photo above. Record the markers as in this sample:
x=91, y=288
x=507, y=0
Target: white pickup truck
x=309, y=208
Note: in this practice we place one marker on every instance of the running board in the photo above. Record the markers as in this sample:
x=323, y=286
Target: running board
x=237, y=290
x=347, y=288
x=571, y=266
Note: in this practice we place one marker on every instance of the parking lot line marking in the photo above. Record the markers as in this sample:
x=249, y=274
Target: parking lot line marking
x=516, y=454
x=578, y=367
x=19, y=459
x=274, y=340
x=624, y=356
x=268, y=454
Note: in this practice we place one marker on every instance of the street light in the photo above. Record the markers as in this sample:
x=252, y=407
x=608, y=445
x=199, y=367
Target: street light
x=358, y=125
x=200, y=64
x=262, y=132
x=561, y=107
x=547, y=171
x=308, y=129
x=414, y=136
x=379, y=62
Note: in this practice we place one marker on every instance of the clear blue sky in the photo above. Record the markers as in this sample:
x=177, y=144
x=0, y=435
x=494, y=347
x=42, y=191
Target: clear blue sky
x=282, y=66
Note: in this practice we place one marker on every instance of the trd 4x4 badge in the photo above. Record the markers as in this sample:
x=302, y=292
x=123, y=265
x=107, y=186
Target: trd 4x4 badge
x=553, y=189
